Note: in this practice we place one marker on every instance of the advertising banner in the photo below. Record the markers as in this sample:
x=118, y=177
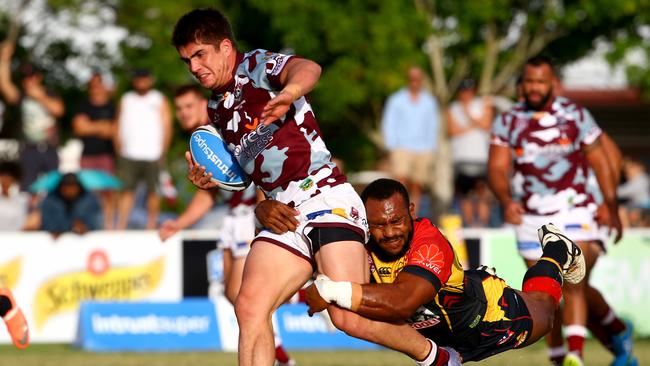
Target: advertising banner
x=622, y=274
x=51, y=277
x=147, y=326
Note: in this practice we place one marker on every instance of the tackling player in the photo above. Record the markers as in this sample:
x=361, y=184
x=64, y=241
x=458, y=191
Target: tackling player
x=259, y=107
x=554, y=143
x=238, y=229
x=418, y=279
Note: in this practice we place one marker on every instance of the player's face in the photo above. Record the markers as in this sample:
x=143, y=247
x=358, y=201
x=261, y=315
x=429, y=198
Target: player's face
x=209, y=64
x=391, y=224
x=190, y=110
x=537, y=85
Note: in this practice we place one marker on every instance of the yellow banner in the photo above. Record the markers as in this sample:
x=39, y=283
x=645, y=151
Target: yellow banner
x=65, y=292
x=10, y=272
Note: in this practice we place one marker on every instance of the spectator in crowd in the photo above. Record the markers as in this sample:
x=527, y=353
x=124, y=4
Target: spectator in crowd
x=14, y=204
x=70, y=208
x=410, y=127
x=94, y=124
x=469, y=120
x=635, y=192
x=39, y=109
x=143, y=137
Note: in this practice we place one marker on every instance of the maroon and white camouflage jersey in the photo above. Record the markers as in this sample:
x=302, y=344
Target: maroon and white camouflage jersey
x=247, y=197
x=287, y=159
x=547, y=147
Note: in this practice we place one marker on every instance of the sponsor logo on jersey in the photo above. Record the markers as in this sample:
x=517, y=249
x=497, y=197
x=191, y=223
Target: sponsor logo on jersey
x=430, y=257
x=384, y=271
x=506, y=337
x=426, y=323
x=252, y=143
x=336, y=211
x=521, y=338
x=306, y=184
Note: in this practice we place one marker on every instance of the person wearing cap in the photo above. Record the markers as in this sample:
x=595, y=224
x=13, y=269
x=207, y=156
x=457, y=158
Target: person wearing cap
x=469, y=118
x=70, y=208
x=409, y=126
x=142, y=139
x=38, y=111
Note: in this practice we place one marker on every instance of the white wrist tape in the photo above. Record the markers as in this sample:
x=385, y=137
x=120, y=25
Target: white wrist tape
x=339, y=293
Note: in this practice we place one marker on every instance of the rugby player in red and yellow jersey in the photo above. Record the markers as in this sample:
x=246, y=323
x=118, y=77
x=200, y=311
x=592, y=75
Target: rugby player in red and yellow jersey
x=468, y=314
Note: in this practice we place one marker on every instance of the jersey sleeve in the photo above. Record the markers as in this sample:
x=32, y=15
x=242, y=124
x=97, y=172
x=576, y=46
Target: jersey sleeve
x=501, y=130
x=588, y=130
x=431, y=258
x=265, y=68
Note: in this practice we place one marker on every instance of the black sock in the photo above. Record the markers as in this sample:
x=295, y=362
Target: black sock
x=5, y=305
x=556, y=250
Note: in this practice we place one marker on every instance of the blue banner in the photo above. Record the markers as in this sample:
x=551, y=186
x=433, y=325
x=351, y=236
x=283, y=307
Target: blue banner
x=300, y=331
x=147, y=326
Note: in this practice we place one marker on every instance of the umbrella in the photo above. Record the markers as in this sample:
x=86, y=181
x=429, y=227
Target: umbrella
x=93, y=180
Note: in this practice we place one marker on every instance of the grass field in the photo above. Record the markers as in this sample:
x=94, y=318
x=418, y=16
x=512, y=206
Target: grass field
x=64, y=355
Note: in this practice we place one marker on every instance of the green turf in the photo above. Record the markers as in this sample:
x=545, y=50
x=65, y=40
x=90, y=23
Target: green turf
x=63, y=355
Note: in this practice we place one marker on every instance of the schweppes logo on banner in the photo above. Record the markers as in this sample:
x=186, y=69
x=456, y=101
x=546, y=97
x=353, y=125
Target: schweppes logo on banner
x=9, y=272
x=99, y=282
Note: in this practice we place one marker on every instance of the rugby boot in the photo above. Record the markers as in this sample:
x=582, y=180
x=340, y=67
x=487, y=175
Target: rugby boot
x=15, y=321
x=573, y=270
x=622, y=347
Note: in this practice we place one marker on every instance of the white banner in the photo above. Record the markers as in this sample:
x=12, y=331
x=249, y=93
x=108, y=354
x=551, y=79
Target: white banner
x=51, y=277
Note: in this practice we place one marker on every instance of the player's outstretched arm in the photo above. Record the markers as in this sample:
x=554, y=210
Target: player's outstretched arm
x=299, y=77
x=201, y=203
x=596, y=156
x=394, y=302
x=499, y=166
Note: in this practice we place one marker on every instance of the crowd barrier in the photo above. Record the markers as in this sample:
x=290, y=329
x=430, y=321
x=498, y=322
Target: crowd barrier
x=52, y=278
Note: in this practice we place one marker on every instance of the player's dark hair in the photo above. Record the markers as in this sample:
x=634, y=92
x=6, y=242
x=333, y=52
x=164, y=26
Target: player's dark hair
x=205, y=25
x=10, y=168
x=188, y=88
x=385, y=188
x=540, y=60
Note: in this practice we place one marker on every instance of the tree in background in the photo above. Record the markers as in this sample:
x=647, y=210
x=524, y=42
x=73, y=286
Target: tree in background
x=364, y=47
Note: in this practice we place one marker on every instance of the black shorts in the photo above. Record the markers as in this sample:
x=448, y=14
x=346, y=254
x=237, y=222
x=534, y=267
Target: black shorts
x=468, y=176
x=320, y=236
x=498, y=336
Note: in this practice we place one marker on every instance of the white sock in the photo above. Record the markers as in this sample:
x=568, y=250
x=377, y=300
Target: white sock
x=556, y=351
x=431, y=356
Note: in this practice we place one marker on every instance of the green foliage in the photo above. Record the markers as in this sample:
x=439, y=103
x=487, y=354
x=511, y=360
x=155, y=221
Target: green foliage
x=364, y=47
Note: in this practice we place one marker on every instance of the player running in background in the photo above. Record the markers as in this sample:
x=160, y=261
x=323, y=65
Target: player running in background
x=14, y=319
x=418, y=279
x=554, y=142
x=259, y=107
x=238, y=228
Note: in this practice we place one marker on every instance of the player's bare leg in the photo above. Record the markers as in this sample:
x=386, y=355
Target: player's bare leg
x=271, y=275
x=554, y=338
x=575, y=311
x=346, y=260
x=233, y=269
x=124, y=207
x=153, y=210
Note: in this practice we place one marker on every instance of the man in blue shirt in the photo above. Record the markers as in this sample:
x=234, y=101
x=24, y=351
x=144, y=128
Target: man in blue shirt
x=410, y=129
